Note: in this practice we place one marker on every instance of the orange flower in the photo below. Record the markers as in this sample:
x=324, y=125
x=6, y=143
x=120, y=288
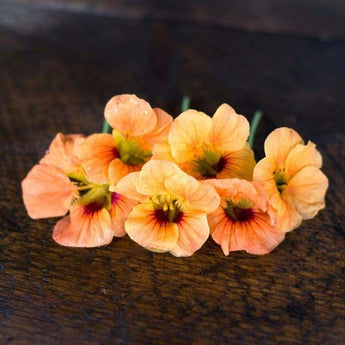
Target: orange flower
x=137, y=128
x=47, y=189
x=291, y=177
x=96, y=222
x=58, y=184
x=172, y=214
x=207, y=147
x=242, y=221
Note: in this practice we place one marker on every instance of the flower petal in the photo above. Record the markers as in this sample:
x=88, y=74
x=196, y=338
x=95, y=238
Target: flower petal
x=121, y=206
x=307, y=190
x=96, y=154
x=161, y=131
x=301, y=156
x=145, y=229
x=201, y=197
x=126, y=186
x=117, y=170
x=62, y=152
x=229, y=130
x=263, y=175
x=189, y=135
x=83, y=229
x=280, y=142
x=193, y=233
x=153, y=175
x=130, y=114
x=47, y=192
x=238, y=164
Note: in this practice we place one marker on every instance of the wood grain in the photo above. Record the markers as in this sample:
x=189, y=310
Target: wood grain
x=56, y=77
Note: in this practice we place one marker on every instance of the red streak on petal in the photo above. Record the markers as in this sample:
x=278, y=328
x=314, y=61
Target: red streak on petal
x=92, y=208
x=162, y=216
x=115, y=197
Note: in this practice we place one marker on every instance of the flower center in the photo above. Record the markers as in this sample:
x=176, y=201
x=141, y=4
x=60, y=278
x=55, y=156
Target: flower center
x=93, y=196
x=129, y=150
x=210, y=164
x=280, y=179
x=239, y=211
x=167, y=209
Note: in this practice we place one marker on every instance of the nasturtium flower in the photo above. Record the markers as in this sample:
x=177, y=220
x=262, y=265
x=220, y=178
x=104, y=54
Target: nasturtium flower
x=59, y=184
x=171, y=215
x=136, y=129
x=47, y=189
x=206, y=147
x=94, y=219
x=243, y=220
x=290, y=176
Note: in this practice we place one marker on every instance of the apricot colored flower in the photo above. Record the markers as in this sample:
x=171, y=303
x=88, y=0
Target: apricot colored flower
x=47, y=189
x=58, y=185
x=171, y=216
x=137, y=128
x=207, y=147
x=290, y=176
x=94, y=220
x=243, y=221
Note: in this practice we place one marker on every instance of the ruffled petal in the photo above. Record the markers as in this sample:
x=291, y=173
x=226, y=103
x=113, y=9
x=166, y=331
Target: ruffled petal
x=189, y=135
x=229, y=130
x=84, y=229
x=153, y=175
x=301, y=156
x=130, y=114
x=145, y=229
x=162, y=151
x=280, y=142
x=193, y=233
x=198, y=196
x=161, y=131
x=96, y=154
x=62, y=152
x=47, y=192
x=307, y=190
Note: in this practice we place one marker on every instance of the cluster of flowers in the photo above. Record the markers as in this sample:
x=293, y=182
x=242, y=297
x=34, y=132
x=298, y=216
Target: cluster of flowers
x=169, y=183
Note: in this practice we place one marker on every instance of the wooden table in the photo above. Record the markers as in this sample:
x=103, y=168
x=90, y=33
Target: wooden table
x=59, y=64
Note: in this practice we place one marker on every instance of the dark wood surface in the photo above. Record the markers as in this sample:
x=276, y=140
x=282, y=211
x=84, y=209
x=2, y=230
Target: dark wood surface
x=57, y=69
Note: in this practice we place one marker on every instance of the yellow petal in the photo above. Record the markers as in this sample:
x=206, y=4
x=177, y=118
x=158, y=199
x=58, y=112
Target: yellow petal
x=229, y=130
x=84, y=229
x=130, y=114
x=307, y=190
x=145, y=229
x=96, y=154
x=301, y=156
x=47, y=192
x=193, y=233
x=189, y=135
x=153, y=175
x=198, y=196
x=280, y=142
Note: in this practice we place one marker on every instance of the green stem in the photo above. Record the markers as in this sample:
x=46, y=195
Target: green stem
x=185, y=103
x=106, y=127
x=254, y=126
